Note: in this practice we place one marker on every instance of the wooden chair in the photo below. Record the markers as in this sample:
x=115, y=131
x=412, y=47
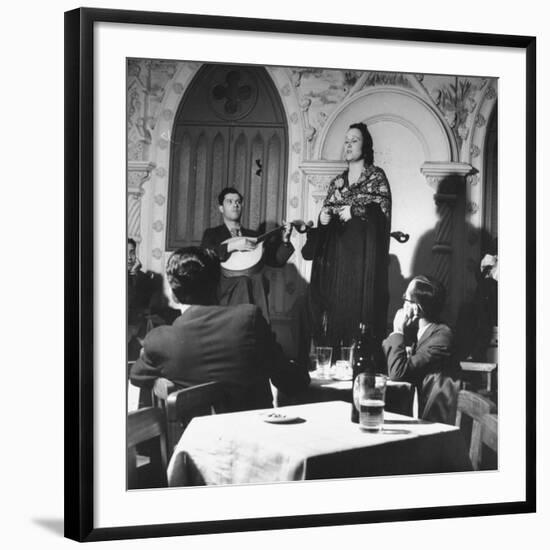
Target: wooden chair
x=489, y=432
x=145, y=425
x=181, y=406
x=486, y=370
x=480, y=375
x=475, y=408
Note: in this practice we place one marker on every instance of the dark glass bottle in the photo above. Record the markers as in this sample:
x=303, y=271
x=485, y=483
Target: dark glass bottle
x=361, y=363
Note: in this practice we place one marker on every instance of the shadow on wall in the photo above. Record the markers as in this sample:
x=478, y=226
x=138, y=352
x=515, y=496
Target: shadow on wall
x=397, y=286
x=475, y=313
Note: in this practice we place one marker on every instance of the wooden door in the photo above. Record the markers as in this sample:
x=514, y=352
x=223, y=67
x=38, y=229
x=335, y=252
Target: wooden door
x=230, y=130
x=256, y=169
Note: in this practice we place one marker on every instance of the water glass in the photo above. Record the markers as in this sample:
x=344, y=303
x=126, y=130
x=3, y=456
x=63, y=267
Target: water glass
x=343, y=363
x=324, y=360
x=344, y=354
x=369, y=394
x=343, y=370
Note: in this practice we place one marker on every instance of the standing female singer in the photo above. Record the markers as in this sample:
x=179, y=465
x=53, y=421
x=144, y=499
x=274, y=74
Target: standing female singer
x=349, y=247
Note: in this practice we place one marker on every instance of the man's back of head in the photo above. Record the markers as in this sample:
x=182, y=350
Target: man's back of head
x=193, y=274
x=430, y=296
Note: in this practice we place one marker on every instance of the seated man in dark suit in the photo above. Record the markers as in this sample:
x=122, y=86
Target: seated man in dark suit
x=147, y=305
x=252, y=287
x=431, y=366
x=228, y=344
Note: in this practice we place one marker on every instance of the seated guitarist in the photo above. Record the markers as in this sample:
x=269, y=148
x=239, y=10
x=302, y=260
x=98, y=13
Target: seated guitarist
x=251, y=288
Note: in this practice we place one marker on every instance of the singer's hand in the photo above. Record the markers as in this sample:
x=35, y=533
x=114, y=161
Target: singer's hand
x=325, y=216
x=344, y=213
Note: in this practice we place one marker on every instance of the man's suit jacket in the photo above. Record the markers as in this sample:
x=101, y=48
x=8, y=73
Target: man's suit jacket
x=432, y=368
x=232, y=345
x=276, y=252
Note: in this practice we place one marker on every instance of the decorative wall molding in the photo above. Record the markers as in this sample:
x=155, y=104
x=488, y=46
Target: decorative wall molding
x=436, y=172
x=318, y=174
x=156, y=210
x=138, y=173
x=399, y=105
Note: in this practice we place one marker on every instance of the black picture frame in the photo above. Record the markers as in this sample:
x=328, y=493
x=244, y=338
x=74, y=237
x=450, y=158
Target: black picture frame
x=79, y=269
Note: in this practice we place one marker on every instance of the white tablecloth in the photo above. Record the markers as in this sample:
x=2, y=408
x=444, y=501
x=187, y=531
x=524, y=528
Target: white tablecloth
x=241, y=447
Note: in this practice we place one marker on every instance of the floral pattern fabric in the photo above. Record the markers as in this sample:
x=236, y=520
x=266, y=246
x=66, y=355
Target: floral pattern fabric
x=371, y=187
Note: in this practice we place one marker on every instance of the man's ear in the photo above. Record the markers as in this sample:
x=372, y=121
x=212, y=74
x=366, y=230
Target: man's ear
x=220, y=208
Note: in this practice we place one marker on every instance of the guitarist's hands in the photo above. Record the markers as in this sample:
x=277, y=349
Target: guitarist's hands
x=287, y=232
x=242, y=244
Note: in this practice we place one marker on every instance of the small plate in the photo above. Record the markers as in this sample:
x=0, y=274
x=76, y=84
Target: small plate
x=279, y=418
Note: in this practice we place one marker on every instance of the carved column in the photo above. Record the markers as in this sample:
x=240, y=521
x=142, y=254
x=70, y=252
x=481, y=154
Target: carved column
x=446, y=179
x=138, y=173
x=318, y=174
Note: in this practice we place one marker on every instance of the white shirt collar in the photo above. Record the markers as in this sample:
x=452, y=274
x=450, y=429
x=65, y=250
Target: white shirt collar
x=237, y=229
x=422, y=330
x=183, y=307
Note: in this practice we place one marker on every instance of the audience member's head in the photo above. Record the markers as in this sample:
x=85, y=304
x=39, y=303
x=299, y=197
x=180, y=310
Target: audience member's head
x=193, y=274
x=131, y=254
x=428, y=295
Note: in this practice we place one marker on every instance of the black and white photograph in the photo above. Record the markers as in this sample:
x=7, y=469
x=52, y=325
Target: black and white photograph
x=312, y=273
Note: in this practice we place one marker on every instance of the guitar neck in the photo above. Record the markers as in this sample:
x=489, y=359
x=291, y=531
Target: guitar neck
x=268, y=233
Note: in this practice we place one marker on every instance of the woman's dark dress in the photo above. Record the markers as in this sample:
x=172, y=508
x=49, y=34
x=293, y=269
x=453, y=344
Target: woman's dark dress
x=349, y=277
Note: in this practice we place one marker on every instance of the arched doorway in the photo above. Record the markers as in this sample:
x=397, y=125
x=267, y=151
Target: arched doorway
x=490, y=190
x=230, y=130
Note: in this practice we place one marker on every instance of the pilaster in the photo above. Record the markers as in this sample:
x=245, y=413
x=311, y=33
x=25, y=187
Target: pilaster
x=138, y=173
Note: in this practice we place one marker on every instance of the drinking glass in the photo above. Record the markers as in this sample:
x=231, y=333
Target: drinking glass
x=369, y=396
x=343, y=363
x=324, y=359
x=344, y=354
x=343, y=370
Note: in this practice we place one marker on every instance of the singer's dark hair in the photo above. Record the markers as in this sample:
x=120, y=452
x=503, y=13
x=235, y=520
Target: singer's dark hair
x=367, y=153
x=193, y=274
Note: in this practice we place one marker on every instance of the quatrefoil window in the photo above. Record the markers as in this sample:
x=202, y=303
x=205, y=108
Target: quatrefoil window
x=234, y=92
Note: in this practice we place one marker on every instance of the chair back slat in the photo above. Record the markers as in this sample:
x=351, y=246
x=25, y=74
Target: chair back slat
x=144, y=425
x=475, y=407
x=199, y=400
x=489, y=432
x=183, y=405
